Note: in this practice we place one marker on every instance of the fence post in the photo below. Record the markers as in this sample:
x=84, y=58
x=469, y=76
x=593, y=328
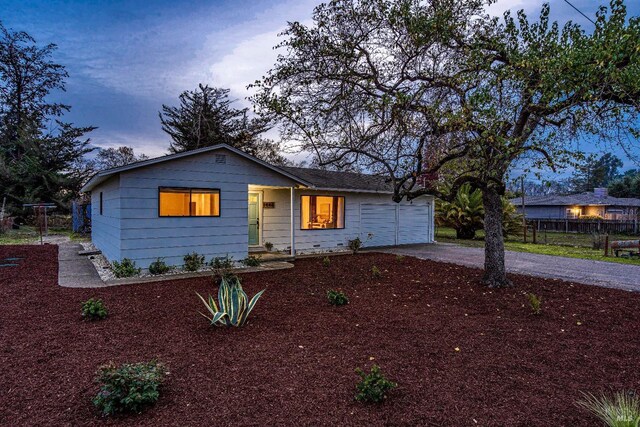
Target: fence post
x=606, y=245
x=566, y=225
x=535, y=235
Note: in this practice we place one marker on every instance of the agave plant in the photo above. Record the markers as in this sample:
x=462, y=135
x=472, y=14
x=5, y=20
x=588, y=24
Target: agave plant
x=234, y=304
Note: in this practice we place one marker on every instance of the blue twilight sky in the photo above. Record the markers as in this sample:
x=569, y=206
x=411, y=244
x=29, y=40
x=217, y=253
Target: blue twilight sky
x=127, y=58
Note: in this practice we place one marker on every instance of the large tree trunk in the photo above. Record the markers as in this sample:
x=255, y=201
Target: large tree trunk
x=494, y=269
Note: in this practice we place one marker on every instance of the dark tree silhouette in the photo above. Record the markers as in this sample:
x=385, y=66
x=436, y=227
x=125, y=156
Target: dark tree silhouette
x=206, y=117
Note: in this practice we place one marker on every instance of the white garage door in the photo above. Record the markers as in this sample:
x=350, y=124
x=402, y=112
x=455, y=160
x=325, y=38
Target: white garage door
x=392, y=224
x=380, y=221
x=414, y=223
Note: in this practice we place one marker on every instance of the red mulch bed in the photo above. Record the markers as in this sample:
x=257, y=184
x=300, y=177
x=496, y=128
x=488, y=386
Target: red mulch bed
x=294, y=363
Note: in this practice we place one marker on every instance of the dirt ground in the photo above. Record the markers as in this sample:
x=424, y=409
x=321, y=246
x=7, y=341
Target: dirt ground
x=460, y=353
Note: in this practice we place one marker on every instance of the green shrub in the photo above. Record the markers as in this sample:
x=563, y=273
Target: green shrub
x=375, y=272
x=222, y=262
x=535, y=302
x=354, y=245
x=251, y=261
x=128, y=387
x=621, y=410
x=159, y=267
x=373, y=387
x=126, y=268
x=326, y=261
x=222, y=266
x=94, y=309
x=337, y=297
x=268, y=246
x=235, y=306
x=399, y=258
x=193, y=261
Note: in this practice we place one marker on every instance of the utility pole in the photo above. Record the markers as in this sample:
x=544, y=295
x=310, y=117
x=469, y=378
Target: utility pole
x=524, y=215
x=4, y=201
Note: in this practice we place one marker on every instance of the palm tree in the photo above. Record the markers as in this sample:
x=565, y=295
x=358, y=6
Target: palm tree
x=465, y=213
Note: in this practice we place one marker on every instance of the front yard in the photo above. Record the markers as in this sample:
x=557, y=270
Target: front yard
x=460, y=353
x=571, y=245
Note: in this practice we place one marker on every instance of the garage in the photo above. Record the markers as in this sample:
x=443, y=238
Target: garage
x=392, y=224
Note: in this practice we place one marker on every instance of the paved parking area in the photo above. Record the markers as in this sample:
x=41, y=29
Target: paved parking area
x=599, y=273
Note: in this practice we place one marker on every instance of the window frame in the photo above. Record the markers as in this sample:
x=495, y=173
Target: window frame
x=344, y=212
x=191, y=190
x=101, y=203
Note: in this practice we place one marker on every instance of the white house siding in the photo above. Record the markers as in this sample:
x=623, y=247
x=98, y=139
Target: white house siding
x=105, y=227
x=145, y=236
x=276, y=221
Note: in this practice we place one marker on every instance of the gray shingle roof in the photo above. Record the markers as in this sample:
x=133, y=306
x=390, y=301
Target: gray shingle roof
x=576, y=199
x=324, y=179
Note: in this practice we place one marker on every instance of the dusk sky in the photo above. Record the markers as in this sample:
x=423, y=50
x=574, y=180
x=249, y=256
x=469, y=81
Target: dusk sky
x=127, y=58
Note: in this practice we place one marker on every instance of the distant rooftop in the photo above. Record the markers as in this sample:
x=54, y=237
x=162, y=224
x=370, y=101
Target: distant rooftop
x=598, y=197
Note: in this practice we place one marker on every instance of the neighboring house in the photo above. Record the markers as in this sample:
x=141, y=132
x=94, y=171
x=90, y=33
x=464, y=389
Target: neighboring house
x=219, y=200
x=595, y=204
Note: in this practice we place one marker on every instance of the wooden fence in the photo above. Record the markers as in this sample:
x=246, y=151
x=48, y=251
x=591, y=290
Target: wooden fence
x=586, y=226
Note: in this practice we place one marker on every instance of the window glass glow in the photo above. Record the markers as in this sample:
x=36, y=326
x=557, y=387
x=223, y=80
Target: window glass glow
x=318, y=212
x=189, y=202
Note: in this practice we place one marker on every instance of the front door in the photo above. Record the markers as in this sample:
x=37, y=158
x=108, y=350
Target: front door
x=254, y=218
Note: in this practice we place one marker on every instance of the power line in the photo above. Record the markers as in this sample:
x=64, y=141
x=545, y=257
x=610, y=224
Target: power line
x=579, y=11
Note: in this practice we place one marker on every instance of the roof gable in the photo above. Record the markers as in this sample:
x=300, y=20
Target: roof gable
x=103, y=175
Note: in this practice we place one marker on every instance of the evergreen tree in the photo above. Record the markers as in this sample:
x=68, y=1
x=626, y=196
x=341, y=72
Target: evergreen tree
x=596, y=172
x=40, y=155
x=206, y=117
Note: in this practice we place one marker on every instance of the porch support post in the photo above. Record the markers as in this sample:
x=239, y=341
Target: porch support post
x=293, y=236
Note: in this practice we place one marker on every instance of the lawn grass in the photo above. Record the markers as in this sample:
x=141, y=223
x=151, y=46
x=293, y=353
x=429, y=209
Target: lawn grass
x=571, y=245
x=29, y=235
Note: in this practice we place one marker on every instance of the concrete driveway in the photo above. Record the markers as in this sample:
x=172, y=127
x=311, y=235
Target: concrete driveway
x=600, y=273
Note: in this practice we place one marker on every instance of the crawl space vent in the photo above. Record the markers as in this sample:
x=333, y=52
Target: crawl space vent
x=221, y=159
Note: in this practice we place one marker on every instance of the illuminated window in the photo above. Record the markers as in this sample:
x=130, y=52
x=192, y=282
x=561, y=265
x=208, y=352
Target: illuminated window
x=188, y=202
x=321, y=212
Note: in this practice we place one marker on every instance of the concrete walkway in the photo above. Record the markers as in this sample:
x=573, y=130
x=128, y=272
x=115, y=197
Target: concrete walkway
x=600, y=273
x=77, y=271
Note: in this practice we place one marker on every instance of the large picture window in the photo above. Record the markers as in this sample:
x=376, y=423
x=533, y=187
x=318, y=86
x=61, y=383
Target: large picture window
x=188, y=202
x=322, y=212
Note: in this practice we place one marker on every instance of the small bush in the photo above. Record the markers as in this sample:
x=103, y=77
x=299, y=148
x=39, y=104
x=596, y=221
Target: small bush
x=126, y=268
x=621, y=410
x=337, y=297
x=268, y=246
x=251, y=261
x=222, y=266
x=373, y=387
x=354, y=245
x=94, y=309
x=326, y=261
x=375, y=272
x=159, y=267
x=128, y=387
x=193, y=261
x=399, y=258
x=222, y=262
x=535, y=302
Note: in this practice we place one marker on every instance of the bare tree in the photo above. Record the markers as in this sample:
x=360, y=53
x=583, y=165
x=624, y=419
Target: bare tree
x=433, y=92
